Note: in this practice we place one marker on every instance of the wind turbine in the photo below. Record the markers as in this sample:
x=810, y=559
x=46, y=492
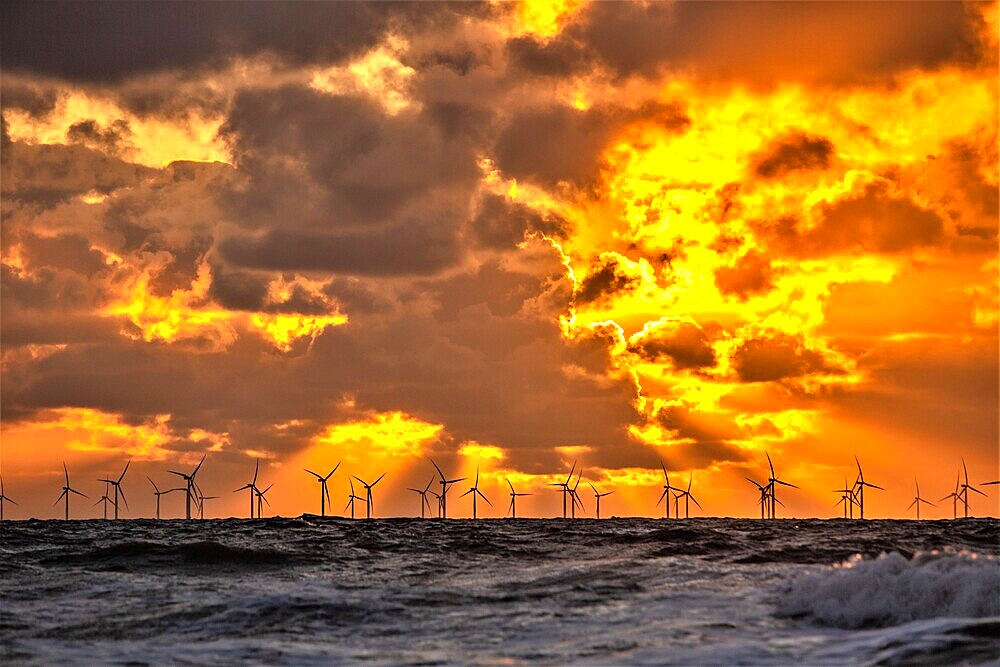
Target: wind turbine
x=917, y=500
x=261, y=500
x=67, y=489
x=846, y=497
x=191, y=487
x=575, y=497
x=565, y=487
x=966, y=487
x=954, y=495
x=597, y=497
x=771, y=481
x=4, y=497
x=158, y=493
x=763, y=502
x=424, y=503
x=445, y=483
x=666, y=491
x=251, y=486
x=859, y=486
x=369, y=505
x=117, y=483
x=351, y=498
x=688, y=497
x=201, y=504
x=438, y=496
x=512, y=510
x=476, y=492
x=324, y=491
x=103, y=499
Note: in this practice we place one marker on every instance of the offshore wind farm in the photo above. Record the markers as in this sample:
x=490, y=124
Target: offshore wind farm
x=608, y=333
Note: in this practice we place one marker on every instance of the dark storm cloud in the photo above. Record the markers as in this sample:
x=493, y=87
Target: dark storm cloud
x=501, y=223
x=776, y=358
x=751, y=274
x=402, y=250
x=794, y=152
x=875, y=219
x=758, y=42
x=605, y=279
x=65, y=251
x=496, y=375
x=107, y=139
x=344, y=187
x=686, y=345
x=109, y=41
x=558, y=143
x=50, y=173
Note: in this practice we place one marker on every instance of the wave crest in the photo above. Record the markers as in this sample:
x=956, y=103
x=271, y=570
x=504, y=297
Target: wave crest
x=891, y=590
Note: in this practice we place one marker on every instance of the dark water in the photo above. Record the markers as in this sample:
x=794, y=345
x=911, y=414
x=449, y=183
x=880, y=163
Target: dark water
x=629, y=591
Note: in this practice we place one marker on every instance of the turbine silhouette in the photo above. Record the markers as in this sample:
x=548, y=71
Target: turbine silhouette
x=424, y=503
x=597, y=497
x=966, y=487
x=771, y=481
x=369, y=505
x=445, y=483
x=191, y=487
x=158, y=493
x=4, y=498
x=667, y=489
x=324, y=491
x=859, y=488
x=67, y=489
x=565, y=487
x=251, y=486
x=512, y=509
x=117, y=483
x=476, y=492
x=917, y=500
x=351, y=498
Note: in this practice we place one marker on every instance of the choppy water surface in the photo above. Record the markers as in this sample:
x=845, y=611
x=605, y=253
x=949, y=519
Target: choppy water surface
x=620, y=591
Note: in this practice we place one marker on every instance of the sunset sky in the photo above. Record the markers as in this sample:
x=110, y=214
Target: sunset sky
x=512, y=235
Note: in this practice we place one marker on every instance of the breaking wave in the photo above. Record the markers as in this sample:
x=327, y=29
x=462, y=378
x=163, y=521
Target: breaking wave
x=892, y=590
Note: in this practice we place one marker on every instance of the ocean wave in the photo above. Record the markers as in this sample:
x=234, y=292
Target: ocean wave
x=892, y=590
x=138, y=554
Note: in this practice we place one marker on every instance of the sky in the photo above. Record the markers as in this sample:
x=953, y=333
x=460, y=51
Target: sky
x=512, y=236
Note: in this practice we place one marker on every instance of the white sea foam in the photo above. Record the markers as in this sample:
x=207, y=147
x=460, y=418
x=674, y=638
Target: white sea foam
x=892, y=589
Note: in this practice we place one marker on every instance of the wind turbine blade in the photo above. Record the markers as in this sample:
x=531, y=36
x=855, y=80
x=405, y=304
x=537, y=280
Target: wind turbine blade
x=122, y=476
x=695, y=502
x=66, y=472
x=198, y=467
x=769, y=462
x=333, y=471
x=60, y=497
x=786, y=483
x=316, y=475
x=82, y=495
x=437, y=468
x=778, y=501
x=874, y=486
x=753, y=482
x=466, y=493
x=153, y=483
x=910, y=505
x=662, y=496
x=608, y=493
x=509, y=484
x=124, y=499
x=484, y=497
x=477, y=476
x=974, y=489
x=379, y=478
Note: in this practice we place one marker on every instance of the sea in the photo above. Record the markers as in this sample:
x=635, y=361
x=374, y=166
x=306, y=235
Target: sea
x=311, y=590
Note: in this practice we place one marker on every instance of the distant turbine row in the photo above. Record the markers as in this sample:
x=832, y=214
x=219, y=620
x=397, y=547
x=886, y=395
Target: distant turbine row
x=851, y=497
